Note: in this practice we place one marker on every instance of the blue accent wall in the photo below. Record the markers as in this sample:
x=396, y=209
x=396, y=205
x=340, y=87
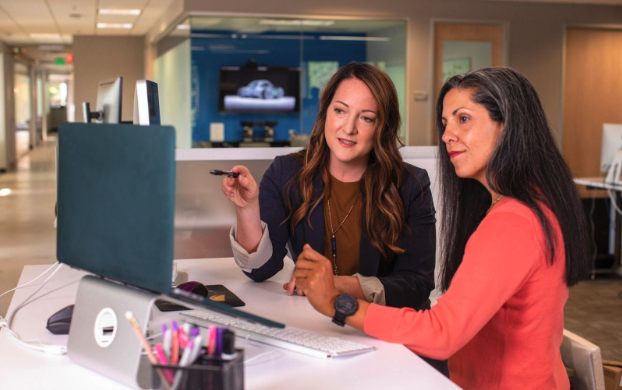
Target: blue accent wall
x=213, y=49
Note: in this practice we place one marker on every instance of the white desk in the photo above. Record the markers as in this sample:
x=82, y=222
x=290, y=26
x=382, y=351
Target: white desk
x=391, y=366
x=597, y=182
x=616, y=231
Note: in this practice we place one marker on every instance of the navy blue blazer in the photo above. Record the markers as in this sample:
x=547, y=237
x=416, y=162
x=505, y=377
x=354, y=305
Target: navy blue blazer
x=408, y=278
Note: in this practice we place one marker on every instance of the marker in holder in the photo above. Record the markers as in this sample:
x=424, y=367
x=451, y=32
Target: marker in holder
x=207, y=372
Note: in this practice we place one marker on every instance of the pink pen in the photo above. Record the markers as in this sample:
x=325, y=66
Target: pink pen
x=211, y=337
x=175, y=344
x=158, y=351
x=183, y=338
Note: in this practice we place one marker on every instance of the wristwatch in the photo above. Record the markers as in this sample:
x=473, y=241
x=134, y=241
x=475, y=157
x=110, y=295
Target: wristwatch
x=345, y=306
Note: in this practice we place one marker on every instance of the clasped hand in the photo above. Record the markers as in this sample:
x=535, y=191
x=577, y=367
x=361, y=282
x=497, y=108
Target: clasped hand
x=314, y=278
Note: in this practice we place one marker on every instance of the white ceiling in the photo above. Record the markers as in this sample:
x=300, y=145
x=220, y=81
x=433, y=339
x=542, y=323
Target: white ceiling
x=20, y=18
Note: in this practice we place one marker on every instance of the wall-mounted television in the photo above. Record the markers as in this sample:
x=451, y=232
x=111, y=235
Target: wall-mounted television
x=260, y=89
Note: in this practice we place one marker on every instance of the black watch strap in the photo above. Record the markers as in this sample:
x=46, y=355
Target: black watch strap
x=339, y=319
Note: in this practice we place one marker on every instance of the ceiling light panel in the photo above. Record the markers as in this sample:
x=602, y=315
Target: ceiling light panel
x=125, y=26
x=44, y=36
x=119, y=11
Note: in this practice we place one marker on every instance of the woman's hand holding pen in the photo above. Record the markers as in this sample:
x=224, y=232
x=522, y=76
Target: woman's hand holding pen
x=243, y=190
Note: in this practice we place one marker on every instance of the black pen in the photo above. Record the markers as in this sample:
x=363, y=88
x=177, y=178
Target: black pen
x=220, y=173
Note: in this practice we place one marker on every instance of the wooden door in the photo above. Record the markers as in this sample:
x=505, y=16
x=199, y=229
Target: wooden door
x=460, y=32
x=592, y=96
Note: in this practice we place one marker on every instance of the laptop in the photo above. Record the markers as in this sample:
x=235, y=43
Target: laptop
x=116, y=206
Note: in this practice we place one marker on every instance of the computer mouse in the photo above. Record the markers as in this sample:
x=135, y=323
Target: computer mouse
x=59, y=322
x=195, y=288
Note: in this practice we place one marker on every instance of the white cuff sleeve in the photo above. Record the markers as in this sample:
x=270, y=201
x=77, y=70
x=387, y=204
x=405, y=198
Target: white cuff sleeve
x=373, y=290
x=250, y=261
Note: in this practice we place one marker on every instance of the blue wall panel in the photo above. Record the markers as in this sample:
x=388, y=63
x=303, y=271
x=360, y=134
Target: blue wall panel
x=213, y=49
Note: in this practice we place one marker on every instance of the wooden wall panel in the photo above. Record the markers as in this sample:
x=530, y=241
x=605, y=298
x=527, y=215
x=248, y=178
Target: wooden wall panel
x=592, y=96
x=492, y=33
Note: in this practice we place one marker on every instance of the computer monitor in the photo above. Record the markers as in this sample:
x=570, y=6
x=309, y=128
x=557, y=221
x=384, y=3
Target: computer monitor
x=116, y=207
x=610, y=153
x=261, y=89
x=116, y=197
x=146, y=103
x=109, y=100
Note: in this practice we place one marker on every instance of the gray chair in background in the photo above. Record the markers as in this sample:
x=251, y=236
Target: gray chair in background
x=585, y=359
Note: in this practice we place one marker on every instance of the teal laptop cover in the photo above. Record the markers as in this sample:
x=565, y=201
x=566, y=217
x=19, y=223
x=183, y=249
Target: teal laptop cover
x=116, y=202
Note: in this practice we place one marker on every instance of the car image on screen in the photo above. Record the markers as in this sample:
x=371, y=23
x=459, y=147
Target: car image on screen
x=262, y=89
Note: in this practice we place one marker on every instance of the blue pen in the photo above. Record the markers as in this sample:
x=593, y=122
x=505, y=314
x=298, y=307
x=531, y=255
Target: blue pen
x=219, y=343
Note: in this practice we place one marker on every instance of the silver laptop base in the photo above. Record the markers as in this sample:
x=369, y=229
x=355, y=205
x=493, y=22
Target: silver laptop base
x=102, y=339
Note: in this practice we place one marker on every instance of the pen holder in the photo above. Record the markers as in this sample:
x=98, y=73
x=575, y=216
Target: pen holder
x=207, y=373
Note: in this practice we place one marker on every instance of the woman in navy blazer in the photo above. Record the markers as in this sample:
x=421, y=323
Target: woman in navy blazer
x=355, y=139
x=407, y=280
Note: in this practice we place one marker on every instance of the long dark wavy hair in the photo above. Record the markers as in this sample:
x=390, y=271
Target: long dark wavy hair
x=525, y=165
x=381, y=182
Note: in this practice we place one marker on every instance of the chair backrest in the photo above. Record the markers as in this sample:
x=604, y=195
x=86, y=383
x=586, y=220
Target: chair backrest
x=584, y=357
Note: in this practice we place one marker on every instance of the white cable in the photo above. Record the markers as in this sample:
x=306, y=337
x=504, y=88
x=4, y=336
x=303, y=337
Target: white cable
x=12, y=315
x=6, y=324
x=614, y=202
x=27, y=283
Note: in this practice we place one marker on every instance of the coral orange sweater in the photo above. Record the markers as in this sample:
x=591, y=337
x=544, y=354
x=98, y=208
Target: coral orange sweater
x=501, y=321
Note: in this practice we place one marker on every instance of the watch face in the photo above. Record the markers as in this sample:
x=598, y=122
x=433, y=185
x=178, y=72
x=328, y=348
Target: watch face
x=346, y=304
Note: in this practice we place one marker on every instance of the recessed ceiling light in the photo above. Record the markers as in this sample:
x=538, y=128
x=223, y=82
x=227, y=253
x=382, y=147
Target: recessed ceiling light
x=5, y=192
x=114, y=25
x=44, y=36
x=113, y=11
x=183, y=27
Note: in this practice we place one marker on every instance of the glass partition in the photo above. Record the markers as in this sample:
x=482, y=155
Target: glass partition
x=253, y=81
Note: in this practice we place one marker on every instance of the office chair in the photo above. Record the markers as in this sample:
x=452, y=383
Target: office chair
x=584, y=357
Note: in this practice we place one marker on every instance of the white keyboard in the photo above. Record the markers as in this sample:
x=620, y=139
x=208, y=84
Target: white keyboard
x=290, y=338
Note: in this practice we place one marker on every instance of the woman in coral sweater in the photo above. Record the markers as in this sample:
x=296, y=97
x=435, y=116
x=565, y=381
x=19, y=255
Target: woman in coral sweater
x=513, y=239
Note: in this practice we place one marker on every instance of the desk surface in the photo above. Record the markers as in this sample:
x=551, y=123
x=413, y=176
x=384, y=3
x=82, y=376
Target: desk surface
x=597, y=182
x=390, y=366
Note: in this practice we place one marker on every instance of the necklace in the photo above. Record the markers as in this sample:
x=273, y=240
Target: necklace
x=333, y=232
x=493, y=204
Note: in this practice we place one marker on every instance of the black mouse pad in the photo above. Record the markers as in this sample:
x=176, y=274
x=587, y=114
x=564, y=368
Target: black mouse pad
x=216, y=292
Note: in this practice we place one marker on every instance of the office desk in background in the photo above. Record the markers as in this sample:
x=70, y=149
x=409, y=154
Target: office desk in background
x=391, y=366
x=598, y=183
